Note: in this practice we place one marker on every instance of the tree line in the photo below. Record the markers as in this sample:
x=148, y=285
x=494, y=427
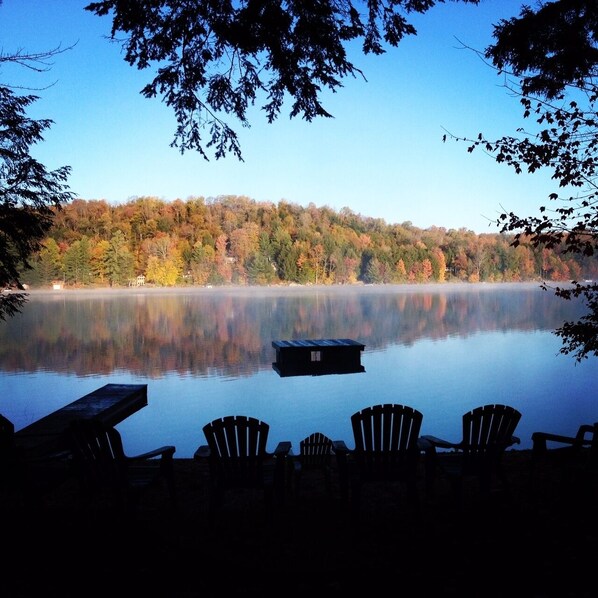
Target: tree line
x=237, y=240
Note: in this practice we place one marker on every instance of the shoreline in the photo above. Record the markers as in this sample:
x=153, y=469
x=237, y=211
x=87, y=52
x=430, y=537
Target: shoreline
x=286, y=288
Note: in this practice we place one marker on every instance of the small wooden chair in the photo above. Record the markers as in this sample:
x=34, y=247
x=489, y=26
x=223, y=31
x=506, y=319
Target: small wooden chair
x=315, y=454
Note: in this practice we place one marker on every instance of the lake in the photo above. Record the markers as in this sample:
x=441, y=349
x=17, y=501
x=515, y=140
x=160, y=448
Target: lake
x=207, y=352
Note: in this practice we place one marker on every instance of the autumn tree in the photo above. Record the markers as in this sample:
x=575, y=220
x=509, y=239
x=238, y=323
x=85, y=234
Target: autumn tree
x=164, y=264
x=98, y=260
x=550, y=55
x=202, y=264
x=224, y=269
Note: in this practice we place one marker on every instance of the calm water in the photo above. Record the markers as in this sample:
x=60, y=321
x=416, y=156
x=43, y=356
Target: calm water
x=205, y=353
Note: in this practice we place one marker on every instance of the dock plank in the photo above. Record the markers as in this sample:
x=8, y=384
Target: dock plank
x=112, y=403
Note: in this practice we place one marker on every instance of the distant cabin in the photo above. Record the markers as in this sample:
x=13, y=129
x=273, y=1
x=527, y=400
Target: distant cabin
x=137, y=282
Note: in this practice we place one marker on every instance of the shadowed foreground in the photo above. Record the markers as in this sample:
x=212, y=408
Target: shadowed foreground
x=537, y=542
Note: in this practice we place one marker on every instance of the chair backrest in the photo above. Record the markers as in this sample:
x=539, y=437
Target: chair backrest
x=487, y=432
x=386, y=441
x=8, y=465
x=592, y=459
x=98, y=455
x=237, y=446
x=315, y=451
x=7, y=437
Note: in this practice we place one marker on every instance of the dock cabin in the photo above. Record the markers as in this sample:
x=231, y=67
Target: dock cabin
x=317, y=357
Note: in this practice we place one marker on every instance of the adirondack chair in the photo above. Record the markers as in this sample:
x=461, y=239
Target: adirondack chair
x=387, y=449
x=8, y=458
x=575, y=456
x=25, y=479
x=315, y=454
x=105, y=472
x=487, y=432
x=236, y=458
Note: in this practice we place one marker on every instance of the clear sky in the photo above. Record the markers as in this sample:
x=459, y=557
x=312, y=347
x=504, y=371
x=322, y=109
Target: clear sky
x=381, y=156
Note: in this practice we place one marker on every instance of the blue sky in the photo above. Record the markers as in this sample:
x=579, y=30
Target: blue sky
x=381, y=156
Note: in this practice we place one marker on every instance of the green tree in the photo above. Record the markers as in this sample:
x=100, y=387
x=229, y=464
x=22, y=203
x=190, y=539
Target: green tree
x=374, y=274
x=77, y=262
x=29, y=194
x=260, y=270
x=118, y=260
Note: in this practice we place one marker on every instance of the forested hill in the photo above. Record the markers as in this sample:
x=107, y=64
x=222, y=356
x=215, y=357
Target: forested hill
x=234, y=239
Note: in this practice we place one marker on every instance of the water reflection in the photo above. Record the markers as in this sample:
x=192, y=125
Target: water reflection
x=206, y=332
x=206, y=353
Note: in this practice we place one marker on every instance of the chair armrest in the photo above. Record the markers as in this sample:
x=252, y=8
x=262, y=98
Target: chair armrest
x=203, y=452
x=282, y=449
x=539, y=439
x=166, y=452
x=440, y=443
x=342, y=451
x=423, y=444
x=579, y=438
x=515, y=440
x=586, y=429
x=339, y=447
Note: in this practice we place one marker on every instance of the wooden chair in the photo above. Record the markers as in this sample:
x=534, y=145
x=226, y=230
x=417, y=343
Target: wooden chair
x=25, y=479
x=567, y=447
x=236, y=458
x=104, y=471
x=315, y=454
x=9, y=472
x=387, y=449
x=575, y=456
x=487, y=432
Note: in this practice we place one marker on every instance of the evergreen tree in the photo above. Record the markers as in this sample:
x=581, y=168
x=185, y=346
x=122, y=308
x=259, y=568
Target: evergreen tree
x=118, y=260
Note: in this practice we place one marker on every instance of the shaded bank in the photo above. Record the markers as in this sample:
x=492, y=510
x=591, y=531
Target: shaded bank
x=536, y=542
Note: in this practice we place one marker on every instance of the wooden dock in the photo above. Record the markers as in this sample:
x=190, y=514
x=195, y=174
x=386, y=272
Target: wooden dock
x=111, y=403
x=317, y=357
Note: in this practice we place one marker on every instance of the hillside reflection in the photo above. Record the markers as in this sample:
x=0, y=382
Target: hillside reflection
x=227, y=332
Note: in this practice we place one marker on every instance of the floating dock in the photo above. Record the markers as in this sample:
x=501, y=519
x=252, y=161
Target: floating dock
x=317, y=357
